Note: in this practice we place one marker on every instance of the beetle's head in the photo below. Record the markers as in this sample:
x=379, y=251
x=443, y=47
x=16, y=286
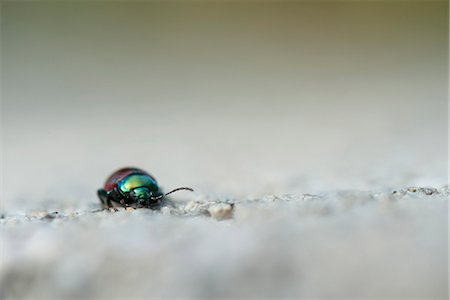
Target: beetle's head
x=143, y=196
x=140, y=188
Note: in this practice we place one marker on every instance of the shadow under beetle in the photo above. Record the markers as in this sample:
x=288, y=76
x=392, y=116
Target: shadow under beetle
x=132, y=187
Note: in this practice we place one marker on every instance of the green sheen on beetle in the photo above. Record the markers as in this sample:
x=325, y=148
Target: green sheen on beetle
x=132, y=187
x=134, y=181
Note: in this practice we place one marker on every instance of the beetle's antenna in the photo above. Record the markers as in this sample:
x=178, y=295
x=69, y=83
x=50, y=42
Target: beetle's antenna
x=172, y=191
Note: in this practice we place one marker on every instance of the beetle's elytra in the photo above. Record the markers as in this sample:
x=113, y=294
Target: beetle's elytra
x=132, y=187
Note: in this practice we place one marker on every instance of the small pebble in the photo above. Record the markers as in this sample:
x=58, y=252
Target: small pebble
x=221, y=211
x=190, y=206
x=50, y=216
x=165, y=210
x=412, y=189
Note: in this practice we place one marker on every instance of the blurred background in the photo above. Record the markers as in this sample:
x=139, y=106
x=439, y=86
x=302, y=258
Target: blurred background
x=256, y=102
x=232, y=98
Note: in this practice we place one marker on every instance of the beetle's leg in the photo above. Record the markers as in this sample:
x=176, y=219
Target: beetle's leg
x=104, y=199
x=117, y=197
x=113, y=203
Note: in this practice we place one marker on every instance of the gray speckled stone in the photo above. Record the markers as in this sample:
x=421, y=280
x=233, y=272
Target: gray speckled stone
x=356, y=243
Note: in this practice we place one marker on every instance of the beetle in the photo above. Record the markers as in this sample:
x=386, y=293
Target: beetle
x=132, y=187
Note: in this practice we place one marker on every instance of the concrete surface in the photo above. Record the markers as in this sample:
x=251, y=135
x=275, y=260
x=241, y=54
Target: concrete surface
x=313, y=132
x=387, y=244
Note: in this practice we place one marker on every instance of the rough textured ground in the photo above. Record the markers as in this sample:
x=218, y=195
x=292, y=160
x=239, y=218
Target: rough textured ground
x=294, y=121
x=385, y=244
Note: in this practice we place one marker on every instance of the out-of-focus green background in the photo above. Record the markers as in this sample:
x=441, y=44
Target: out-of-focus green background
x=234, y=98
x=314, y=118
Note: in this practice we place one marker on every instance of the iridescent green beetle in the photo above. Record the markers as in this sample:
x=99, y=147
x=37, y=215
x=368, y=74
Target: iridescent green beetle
x=132, y=187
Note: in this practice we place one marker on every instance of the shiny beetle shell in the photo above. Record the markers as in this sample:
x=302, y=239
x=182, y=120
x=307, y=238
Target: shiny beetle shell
x=117, y=178
x=132, y=187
